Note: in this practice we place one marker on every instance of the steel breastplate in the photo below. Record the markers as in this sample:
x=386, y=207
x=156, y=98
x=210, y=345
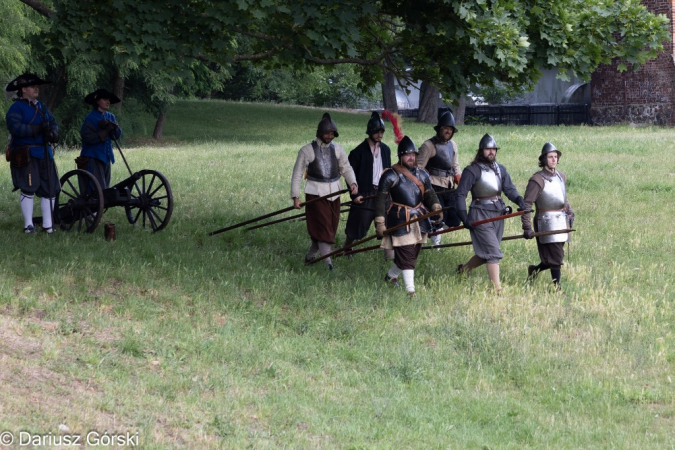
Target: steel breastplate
x=325, y=167
x=445, y=152
x=405, y=192
x=553, y=194
x=488, y=185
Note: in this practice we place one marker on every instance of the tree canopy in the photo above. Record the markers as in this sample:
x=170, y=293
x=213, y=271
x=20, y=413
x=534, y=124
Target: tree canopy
x=449, y=44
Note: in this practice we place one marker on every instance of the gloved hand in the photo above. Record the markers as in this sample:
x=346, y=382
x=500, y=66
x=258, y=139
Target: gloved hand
x=529, y=234
x=380, y=227
x=52, y=136
x=458, y=177
x=520, y=201
x=465, y=219
x=438, y=219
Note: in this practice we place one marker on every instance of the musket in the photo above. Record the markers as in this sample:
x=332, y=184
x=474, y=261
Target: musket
x=480, y=222
x=507, y=238
x=366, y=239
x=281, y=211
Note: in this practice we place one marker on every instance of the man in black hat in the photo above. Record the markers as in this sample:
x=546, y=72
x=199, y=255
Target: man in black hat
x=438, y=156
x=32, y=129
x=547, y=189
x=324, y=162
x=486, y=179
x=368, y=160
x=411, y=196
x=97, y=131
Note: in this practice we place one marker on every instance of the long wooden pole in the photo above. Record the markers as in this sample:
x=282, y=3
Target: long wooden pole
x=507, y=238
x=366, y=239
x=290, y=208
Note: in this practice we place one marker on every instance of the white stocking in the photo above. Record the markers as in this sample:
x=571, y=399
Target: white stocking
x=26, y=202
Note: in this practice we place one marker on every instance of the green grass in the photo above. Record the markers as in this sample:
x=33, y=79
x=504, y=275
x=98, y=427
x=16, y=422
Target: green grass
x=231, y=342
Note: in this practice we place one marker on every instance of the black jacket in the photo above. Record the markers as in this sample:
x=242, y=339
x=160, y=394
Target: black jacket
x=361, y=160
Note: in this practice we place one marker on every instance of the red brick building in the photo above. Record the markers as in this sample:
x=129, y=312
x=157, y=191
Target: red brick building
x=646, y=96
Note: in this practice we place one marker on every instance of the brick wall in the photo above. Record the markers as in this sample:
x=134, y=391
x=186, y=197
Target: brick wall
x=646, y=96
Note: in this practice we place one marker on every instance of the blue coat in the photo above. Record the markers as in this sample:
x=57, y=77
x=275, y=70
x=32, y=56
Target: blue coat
x=92, y=145
x=24, y=123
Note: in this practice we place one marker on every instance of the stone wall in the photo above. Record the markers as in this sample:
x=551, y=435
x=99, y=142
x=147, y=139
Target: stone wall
x=643, y=97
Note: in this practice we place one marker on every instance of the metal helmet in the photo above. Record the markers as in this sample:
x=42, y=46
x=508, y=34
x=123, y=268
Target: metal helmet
x=548, y=148
x=446, y=120
x=375, y=124
x=406, y=146
x=326, y=125
x=487, y=141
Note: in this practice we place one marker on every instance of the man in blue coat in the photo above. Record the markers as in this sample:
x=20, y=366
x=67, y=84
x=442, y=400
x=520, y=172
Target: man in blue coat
x=32, y=129
x=98, y=130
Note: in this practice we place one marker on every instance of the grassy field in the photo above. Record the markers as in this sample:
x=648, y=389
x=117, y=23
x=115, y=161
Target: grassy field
x=231, y=342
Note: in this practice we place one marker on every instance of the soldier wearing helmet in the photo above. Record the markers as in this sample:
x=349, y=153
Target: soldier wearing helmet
x=324, y=162
x=369, y=159
x=409, y=188
x=486, y=180
x=547, y=190
x=438, y=156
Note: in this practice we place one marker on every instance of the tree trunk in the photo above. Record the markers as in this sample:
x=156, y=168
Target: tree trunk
x=428, y=111
x=118, y=90
x=460, y=110
x=389, y=92
x=57, y=90
x=159, y=126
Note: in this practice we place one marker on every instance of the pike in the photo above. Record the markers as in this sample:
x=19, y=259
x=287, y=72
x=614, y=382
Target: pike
x=300, y=216
x=273, y=222
x=508, y=238
x=366, y=239
x=480, y=222
x=281, y=211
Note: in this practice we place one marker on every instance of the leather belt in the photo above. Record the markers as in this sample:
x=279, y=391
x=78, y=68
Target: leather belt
x=440, y=172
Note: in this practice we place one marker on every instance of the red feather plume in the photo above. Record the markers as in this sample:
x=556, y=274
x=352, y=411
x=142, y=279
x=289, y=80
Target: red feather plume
x=395, y=120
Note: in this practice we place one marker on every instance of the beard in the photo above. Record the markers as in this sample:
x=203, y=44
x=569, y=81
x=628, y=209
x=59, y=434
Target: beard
x=482, y=158
x=408, y=165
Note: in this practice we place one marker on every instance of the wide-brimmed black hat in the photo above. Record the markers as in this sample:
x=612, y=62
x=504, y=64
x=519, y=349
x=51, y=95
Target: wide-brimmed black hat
x=25, y=80
x=100, y=93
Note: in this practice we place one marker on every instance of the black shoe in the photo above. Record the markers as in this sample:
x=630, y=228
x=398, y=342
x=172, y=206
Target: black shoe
x=532, y=272
x=330, y=266
x=30, y=229
x=393, y=281
x=460, y=270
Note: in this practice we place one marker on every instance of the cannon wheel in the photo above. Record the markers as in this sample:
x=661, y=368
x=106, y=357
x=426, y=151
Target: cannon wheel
x=80, y=202
x=153, y=200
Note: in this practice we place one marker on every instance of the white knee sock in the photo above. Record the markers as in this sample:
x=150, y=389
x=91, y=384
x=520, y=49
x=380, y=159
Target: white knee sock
x=46, y=208
x=394, y=272
x=325, y=248
x=409, y=280
x=435, y=240
x=26, y=202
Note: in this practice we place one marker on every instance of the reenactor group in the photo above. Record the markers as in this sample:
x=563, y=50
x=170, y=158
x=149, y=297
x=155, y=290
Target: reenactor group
x=419, y=196
x=33, y=131
x=424, y=193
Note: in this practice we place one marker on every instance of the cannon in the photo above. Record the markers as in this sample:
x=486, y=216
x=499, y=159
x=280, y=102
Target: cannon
x=146, y=197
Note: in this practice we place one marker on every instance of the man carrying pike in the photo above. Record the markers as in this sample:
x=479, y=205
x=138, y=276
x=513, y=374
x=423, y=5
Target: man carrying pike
x=438, y=156
x=324, y=162
x=486, y=179
x=547, y=189
x=368, y=160
x=411, y=196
